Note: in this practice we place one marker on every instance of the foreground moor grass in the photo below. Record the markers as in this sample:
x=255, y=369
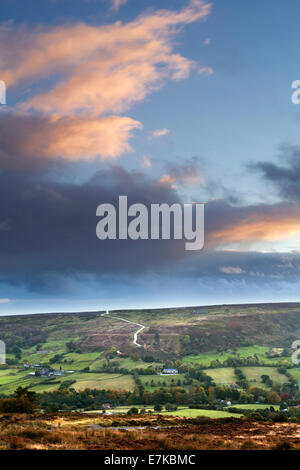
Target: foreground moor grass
x=157, y=432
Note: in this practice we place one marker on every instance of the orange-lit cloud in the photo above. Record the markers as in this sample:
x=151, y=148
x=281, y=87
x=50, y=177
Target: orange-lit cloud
x=94, y=71
x=98, y=69
x=183, y=179
x=167, y=179
x=73, y=138
x=258, y=228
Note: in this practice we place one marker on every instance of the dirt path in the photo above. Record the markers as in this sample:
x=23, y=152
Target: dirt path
x=135, y=337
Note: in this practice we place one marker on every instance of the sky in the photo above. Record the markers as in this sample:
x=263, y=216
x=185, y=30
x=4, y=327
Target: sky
x=170, y=101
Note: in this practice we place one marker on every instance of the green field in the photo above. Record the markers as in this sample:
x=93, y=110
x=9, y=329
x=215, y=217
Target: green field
x=253, y=375
x=130, y=364
x=72, y=361
x=162, y=381
x=222, y=376
x=10, y=379
x=205, y=359
x=104, y=381
x=189, y=336
x=189, y=413
x=253, y=406
x=181, y=411
x=225, y=375
x=295, y=373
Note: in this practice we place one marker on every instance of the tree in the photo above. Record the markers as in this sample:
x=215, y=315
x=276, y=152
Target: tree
x=71, y=346
x=273, y=398
x=24, y=401
x=24, y=393
x=265, y=378
x=157, y=407
x=211, y=394
x=171, y=407
x=17, y=352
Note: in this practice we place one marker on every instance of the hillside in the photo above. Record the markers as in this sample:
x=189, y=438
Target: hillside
x=97, y=350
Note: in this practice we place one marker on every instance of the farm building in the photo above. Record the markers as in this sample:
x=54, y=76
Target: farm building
x=106, y=406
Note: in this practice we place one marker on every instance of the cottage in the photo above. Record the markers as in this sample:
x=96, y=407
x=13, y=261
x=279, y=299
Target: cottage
x=275, y=352
x=106, y=406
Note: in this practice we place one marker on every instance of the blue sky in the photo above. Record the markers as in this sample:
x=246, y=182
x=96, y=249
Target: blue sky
x=197, y=89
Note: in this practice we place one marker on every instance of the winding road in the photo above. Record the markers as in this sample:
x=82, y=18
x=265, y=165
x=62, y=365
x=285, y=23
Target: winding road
x=135, y=337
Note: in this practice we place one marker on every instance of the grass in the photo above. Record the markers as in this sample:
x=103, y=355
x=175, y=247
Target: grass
x=77, y=361
x=225, y=375
x=205, y=359
x=295, y=373
x=181, y=411
x=190, y=413
x=160, y=380
x=130, y=364
x=72, y=361
x=14, y=379
x=98, y=364
x=253, y=375
x=103, y=381
x=222, y=376
x=253, y=406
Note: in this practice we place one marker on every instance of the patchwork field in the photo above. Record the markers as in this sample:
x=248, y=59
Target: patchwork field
x=13, y=379
x=88, y=362
x=99, y=348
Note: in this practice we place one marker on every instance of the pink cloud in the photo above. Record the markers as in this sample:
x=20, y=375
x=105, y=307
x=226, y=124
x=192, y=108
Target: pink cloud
x=72, y=138
x=160, y=132
x=147, y=162
x=95, y=71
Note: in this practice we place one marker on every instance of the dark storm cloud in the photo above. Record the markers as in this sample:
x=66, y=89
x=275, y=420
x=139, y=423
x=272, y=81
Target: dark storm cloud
x=47, y=228
x=51, y=226
x=17, y=134
x=249, y=266
x=285, y=177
